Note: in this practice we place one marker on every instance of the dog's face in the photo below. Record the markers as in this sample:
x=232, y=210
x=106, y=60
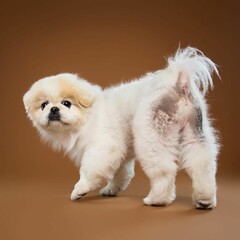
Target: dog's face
x=59, y=103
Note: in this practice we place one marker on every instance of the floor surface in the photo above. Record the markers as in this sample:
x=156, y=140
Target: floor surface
x=41, y=209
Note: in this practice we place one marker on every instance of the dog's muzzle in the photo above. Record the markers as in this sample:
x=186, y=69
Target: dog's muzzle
x=54, y=114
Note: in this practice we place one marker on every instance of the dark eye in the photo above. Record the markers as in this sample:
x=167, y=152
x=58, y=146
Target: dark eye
x=44, y=104
x=66, y=104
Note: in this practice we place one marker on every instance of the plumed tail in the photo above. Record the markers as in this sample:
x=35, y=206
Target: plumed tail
x=198, y=67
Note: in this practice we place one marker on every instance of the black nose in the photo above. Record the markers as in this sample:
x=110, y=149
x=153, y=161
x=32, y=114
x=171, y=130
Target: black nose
x=54, y=110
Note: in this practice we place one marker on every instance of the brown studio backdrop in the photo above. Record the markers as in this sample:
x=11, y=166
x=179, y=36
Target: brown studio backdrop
x=108, y=42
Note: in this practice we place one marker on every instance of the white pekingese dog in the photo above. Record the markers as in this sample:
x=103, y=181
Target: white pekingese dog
x=161, y=119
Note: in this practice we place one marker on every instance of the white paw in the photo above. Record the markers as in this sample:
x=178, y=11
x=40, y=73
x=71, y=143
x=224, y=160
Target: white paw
x=154, y=202
x=159, y=200
x=205, y=204
x=204, y=201
x=77, y=194
x=109, y=191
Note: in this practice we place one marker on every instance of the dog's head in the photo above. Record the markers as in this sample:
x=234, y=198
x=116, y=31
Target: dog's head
x=59, y=103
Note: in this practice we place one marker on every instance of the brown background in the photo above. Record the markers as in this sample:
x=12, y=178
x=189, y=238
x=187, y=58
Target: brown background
x=107, y=42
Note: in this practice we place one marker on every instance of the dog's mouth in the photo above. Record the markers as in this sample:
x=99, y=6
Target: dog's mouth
x=55, y=118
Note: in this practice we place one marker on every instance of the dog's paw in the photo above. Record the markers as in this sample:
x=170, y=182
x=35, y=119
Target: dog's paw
x=77, y=194
x=204, y=201
x=156, y=199
x=205, y=204
x=109, y=191
x=149, y=201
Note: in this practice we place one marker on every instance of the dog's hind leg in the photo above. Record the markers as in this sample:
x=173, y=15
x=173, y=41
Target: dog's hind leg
x=200, y=164
x=160, y=166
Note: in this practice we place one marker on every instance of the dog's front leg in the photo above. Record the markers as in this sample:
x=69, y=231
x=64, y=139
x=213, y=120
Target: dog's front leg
x=97, y=165
x=82, y=187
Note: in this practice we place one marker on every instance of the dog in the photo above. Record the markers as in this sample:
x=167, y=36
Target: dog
x=160, y=119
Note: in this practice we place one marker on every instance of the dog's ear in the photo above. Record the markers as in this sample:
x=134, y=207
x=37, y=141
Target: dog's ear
x=85, y=97
x=85, y=92
x=27, y=100
x=72, y=86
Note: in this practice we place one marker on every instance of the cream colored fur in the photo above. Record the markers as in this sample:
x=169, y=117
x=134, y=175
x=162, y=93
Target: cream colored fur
x=160, y=119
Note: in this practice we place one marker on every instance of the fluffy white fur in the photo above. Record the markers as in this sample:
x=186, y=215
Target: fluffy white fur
x=160, y=119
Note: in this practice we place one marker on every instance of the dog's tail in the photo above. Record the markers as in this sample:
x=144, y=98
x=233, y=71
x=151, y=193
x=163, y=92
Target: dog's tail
x=196, y=65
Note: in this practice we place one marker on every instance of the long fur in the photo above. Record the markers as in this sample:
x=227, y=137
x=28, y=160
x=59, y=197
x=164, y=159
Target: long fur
x=161, y=119
x=199, y=67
